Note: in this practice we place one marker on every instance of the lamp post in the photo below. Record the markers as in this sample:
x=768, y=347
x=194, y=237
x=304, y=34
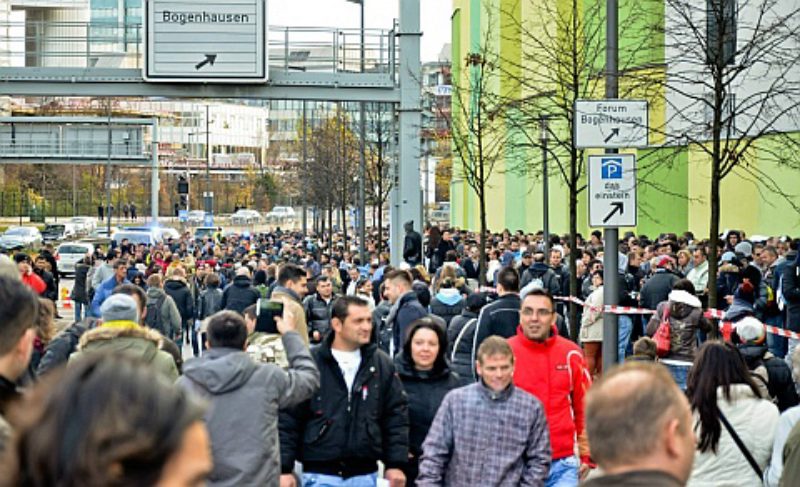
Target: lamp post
x=362, y=166
x=545, y=188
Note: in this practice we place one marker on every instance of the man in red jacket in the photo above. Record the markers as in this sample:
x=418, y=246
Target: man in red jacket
x=552, y=369
x=30, y=278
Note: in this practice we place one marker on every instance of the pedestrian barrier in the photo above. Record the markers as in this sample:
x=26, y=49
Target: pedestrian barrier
x=65, y=302
x=726, y=327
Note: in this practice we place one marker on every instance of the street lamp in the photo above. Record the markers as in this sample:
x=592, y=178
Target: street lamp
x=362, y=166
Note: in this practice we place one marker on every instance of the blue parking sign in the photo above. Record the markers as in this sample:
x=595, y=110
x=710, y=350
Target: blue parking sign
x=611, y=168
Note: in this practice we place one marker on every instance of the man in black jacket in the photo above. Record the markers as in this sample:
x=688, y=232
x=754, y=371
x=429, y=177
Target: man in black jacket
x=177, y=288
x=318, y=309
x=412, y=245
x=500, y=317
x=406, y=309
x=359, y=414
x=240, y=294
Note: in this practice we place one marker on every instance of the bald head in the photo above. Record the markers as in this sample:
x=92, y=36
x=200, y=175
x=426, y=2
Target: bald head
x=637, y=416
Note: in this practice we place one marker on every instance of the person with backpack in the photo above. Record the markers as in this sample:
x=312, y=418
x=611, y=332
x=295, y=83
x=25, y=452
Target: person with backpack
x=162, y=313
x=208, y=302
x=540, y=276
x=177, y=288
x=771, y=374
x=460, y=335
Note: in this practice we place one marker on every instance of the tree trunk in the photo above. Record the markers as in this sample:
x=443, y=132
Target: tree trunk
x=713, y=235
x=482, y=241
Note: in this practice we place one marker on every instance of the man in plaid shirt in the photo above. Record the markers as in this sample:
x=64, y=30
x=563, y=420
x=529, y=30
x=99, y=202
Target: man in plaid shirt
x=489, y=433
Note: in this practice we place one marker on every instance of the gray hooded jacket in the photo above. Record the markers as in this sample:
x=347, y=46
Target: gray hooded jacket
x=245, y=399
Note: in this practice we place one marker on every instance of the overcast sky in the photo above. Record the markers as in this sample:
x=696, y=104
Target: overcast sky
x=435, y=18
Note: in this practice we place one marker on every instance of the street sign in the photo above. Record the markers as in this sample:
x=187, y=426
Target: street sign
x=205, y=41
x=612, y=190
x=609, y=124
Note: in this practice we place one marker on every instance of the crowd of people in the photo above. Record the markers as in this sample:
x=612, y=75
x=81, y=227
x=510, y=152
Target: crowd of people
x=415, y=374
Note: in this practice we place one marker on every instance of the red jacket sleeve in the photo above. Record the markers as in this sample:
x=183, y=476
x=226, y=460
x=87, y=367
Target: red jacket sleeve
x=35, y=282
x=581, y=380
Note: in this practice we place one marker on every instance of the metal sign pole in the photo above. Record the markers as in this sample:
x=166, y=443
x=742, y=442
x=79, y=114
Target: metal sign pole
x=611, y=235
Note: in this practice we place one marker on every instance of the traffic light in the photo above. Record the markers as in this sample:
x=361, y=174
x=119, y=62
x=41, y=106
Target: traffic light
x=184, y=201
x=183, y=185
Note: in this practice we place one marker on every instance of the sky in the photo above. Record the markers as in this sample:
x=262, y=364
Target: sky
x=434, y=18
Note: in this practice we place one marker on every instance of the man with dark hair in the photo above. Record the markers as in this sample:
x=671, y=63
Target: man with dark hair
x=406, y=309
x=465, y=447
x=552, y=369
x=338, y=444
x=318, y=308
x=19, y=307
x=291, y=289
x=541, y=276
x=120, y=268
x=640, y=428
x=501, y=316
x=177, y=288
x=245, y=443
x=412, y=245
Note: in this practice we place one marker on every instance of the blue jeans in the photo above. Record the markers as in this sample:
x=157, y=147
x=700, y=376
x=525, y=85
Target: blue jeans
x=680, y=373
x=322, y=480
x=563, y=472
x=81, y=312
x=624, y=333
x=778, y=345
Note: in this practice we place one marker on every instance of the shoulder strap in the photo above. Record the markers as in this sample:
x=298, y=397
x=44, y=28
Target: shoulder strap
x=741, y=446
x=460, y=336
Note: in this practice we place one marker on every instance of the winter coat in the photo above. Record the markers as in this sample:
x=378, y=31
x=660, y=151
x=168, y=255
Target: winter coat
x=239, y=294
x=245, y=441
x=684, y=321
x=51, y=289
x=318, y=313
x=292, y=301
x=425, y=391
x=755, y=422
x=460, y=336
x=543, y=272
x=179, y=291
x=345, y=433
x=404, y=312
x=500, y=317
x=169, y=316
x=208, y=303
x=79, y=292
x=592, y=318
x=412, y=248
x=562, y=391
x=791, y=293
x=101, y=273
x=447, y=304
x=657, y=288
x=774, y=472
x=727, y=282
x=126, y=337
x=379, y=315
x=61, y=347
x=779, y=376
x=103, y=292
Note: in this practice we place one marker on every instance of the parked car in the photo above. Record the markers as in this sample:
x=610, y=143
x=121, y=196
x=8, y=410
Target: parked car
x=15, y=238
x=246, y=217
x=162, y=234
x=69, y=254
x=196, y=217
x=84, y=224
x=56, y=232
x=281, y=214
x=100, y=235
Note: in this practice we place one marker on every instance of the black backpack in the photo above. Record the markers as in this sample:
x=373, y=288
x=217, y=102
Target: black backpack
x=153, y=317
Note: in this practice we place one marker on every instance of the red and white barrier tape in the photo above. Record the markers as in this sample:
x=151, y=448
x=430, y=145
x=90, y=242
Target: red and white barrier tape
x=725, y=326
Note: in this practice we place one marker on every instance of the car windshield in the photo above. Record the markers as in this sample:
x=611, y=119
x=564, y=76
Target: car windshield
x=73, y=249
x=202, y=232
x=133, y=237
x=20, y=232
x=54, y=228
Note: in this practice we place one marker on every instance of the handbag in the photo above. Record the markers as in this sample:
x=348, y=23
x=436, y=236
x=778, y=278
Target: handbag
x=663, y=335
x=741, y=445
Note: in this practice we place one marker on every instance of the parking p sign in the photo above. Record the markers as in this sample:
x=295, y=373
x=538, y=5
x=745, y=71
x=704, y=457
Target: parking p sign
x=612, y=190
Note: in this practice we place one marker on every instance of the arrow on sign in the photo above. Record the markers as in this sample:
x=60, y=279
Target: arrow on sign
x=614, y=132
x=210, y=58
x=618, y=207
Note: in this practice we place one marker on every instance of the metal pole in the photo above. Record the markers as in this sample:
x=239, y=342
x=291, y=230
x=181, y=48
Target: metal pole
x=611, y=235
x=108, y=172
x=305, y=163
x=208, y=199
x=362, y=166
x=545, y=193
x=155, y=185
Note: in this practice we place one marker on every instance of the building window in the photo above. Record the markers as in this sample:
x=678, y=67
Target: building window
x=721, y=25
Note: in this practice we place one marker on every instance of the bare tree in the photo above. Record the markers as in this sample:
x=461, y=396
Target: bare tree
x=733, y=82
x=477, y=126
x=380, y=180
